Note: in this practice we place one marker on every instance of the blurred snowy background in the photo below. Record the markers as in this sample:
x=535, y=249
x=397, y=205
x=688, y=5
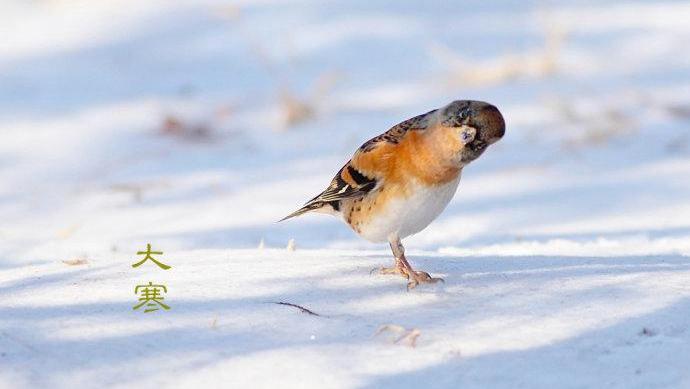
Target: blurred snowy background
x=195, y=125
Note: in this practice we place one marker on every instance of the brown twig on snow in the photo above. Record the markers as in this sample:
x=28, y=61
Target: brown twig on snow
x=75, y=261
x=301, y=308
x=405, y=336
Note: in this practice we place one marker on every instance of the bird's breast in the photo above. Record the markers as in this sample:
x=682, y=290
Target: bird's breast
x=398, y=209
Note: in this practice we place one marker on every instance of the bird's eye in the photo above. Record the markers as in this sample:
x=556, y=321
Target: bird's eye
x=467, y=134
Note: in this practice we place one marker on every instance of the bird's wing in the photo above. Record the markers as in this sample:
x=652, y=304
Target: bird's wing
x=396, y=133
x=370, y=164
x=348, y=183
x=369, y=167
x=379, y=156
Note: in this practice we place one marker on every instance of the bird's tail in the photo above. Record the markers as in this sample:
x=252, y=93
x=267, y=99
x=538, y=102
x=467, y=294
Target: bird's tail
x=310, y=206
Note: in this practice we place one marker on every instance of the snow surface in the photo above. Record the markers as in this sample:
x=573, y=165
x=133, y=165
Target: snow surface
x=566, y=251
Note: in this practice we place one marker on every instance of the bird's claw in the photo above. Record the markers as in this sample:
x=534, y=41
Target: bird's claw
x=415, y=277
x=399, y=270
x=421, y=277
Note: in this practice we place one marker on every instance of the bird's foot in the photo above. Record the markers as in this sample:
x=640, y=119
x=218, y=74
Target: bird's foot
x=399, y=270
x=415, y=277
x=421, y=277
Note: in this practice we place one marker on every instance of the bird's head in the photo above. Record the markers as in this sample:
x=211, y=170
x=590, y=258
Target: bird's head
x=474, y=124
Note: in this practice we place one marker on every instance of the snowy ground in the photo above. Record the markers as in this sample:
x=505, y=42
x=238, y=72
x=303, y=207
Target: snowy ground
x=195, y=125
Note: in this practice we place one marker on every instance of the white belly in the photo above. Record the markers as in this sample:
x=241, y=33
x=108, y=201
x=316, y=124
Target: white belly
x=405, y=217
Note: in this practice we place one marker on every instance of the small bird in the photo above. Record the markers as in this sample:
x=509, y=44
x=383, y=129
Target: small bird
x=397, y=183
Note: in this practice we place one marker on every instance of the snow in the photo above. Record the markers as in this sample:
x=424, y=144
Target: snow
x=565, y=252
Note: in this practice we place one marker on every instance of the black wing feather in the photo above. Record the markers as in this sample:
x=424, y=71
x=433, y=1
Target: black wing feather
x=338, y=190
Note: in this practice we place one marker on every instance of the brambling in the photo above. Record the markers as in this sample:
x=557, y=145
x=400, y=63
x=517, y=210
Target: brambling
x=397, y=183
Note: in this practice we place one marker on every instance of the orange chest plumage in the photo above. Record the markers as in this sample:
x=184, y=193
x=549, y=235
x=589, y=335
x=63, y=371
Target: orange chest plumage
x=417, y=180
x=430, y=160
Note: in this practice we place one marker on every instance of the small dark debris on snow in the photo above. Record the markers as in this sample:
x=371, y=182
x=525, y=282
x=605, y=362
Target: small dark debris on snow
x=176, y=127
x=679, y=111
x=647, y=332
x=301, y=308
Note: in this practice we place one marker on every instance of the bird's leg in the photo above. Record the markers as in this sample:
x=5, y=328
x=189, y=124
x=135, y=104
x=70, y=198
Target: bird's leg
x=403, y=267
